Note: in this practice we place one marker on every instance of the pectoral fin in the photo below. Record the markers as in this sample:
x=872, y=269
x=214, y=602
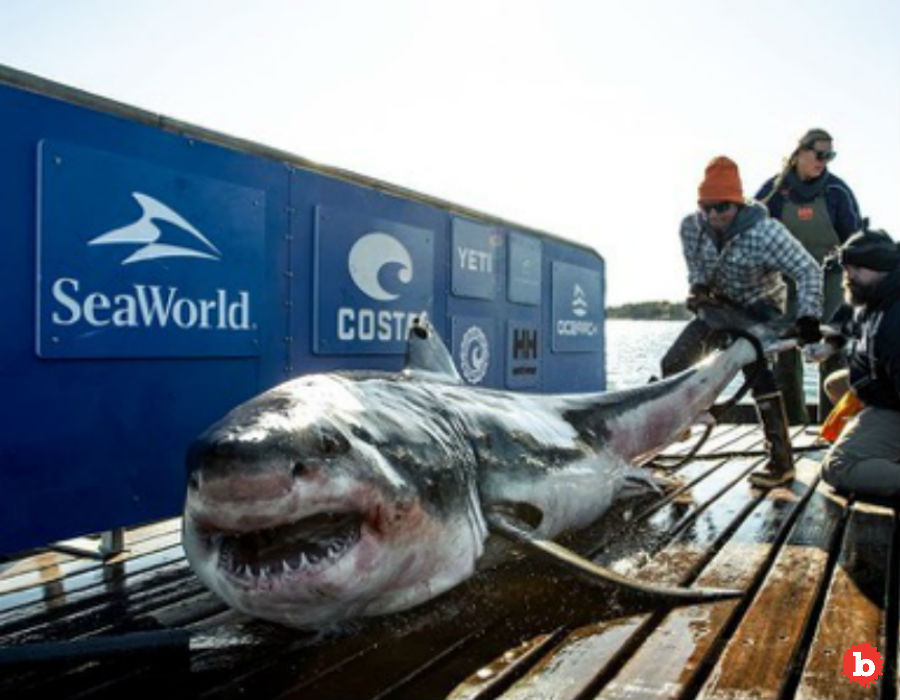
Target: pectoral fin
x=500, y=523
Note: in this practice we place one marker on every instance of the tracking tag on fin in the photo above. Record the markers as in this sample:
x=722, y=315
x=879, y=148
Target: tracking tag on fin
x=500, y=523
x=426, y=352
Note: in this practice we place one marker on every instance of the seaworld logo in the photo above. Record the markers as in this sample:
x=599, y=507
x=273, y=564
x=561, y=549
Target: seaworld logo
x=148, y=306
x=146, y=233
x=144, y=305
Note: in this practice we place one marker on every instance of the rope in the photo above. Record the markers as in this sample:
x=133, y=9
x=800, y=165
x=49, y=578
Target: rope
x=718, y=409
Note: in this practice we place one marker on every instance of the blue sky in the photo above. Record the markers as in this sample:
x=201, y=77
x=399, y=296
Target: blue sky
x=592, y=120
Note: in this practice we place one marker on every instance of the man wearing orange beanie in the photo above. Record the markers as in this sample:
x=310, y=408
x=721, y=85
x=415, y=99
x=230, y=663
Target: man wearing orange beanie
x=737, y=255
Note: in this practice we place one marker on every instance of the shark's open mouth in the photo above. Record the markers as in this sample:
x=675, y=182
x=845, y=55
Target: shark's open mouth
x=304, y=545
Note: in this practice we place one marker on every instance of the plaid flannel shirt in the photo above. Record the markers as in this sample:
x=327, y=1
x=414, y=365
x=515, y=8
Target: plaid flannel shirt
x=750, y=266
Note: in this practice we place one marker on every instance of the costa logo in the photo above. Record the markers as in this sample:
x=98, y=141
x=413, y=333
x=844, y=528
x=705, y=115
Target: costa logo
x=377, y=254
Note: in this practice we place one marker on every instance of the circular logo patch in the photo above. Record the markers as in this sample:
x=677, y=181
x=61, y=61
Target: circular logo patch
x=474, y=355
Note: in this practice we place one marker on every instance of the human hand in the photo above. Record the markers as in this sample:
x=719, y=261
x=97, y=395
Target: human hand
x=697, y=295
x=817, y=352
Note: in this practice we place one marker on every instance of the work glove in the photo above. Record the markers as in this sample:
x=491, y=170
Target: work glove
x=808, y=330
x=818, y=352
x=697, y=295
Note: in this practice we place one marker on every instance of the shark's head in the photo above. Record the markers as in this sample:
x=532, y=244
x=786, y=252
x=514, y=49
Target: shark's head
x=329, y=497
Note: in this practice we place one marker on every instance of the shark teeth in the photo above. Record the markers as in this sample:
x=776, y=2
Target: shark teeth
x=304, y=546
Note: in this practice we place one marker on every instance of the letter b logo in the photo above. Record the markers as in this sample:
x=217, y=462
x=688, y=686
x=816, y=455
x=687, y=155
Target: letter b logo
x=862, y=664
x=864, y=667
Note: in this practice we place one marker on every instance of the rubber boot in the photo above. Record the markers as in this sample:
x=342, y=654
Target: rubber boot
x=780, y=467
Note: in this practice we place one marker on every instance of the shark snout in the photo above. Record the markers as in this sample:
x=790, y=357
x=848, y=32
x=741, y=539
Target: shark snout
x=263, y=486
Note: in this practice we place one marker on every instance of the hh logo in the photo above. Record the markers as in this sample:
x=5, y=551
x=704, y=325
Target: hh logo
x=146, y=233
x=862, y=664
x=524, y=344
x=376, y=254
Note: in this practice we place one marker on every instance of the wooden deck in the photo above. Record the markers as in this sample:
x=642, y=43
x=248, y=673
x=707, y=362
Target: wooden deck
x=820, y=575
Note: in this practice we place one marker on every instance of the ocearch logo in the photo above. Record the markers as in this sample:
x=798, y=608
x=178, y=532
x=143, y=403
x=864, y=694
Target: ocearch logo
x=579, y=301
x=146, y=233
x=580, y=309
x=370, y=255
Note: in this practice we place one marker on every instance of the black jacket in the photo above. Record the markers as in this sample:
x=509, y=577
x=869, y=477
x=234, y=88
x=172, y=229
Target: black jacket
x=874, y=350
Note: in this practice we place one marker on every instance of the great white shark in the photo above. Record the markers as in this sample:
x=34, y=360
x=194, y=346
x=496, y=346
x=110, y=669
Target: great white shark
x=358, y=493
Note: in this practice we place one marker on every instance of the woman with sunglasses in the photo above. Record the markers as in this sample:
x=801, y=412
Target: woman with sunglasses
x=736, y=256
x=819, y=209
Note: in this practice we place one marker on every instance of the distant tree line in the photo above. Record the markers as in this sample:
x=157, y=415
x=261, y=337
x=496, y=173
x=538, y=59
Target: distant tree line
x=647, y=310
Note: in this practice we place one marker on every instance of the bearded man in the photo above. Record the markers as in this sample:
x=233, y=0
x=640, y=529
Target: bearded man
x=865, y=459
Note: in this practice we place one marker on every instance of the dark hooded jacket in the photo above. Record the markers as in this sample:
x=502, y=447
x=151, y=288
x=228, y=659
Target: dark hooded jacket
x=874, y=349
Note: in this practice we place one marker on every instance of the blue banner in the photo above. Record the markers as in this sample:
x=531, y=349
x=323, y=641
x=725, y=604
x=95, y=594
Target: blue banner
x=136, y=260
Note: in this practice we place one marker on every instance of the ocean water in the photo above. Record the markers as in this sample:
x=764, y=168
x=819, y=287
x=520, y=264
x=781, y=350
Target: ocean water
x=634, y=349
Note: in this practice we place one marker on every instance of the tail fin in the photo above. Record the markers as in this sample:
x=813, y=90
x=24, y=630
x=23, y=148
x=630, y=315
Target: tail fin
x=774, y=335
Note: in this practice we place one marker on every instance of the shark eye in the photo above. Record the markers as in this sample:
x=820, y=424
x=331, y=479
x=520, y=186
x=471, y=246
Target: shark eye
x=331, y=444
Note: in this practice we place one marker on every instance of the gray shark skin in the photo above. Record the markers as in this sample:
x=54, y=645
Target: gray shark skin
x=350, y=494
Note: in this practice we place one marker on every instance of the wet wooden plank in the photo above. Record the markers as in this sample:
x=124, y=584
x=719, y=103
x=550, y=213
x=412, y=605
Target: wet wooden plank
x=579, y=663
x=22, y=573
x=54, y=579
x=721, y=436
x=855, y=607
x=574, y=666
x=668, y=659
x=94, y=588
x=748, y=445
x=46, y=565
x=655, y=527
x=757, y=658
x=494, y=642
x=491, y=680
x=362, y=667
x=160, y=609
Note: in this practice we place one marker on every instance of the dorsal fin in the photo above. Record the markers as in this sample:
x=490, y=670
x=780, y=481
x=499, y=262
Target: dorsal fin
x=426, y=352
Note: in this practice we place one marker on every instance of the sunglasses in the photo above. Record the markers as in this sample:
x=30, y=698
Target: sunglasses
x=718, y=207
x=824, y=156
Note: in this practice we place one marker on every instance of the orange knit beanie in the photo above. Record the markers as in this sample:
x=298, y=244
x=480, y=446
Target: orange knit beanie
x=722, y=182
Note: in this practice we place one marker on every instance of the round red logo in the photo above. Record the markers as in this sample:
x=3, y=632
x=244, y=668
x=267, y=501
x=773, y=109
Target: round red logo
x=862, y=664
